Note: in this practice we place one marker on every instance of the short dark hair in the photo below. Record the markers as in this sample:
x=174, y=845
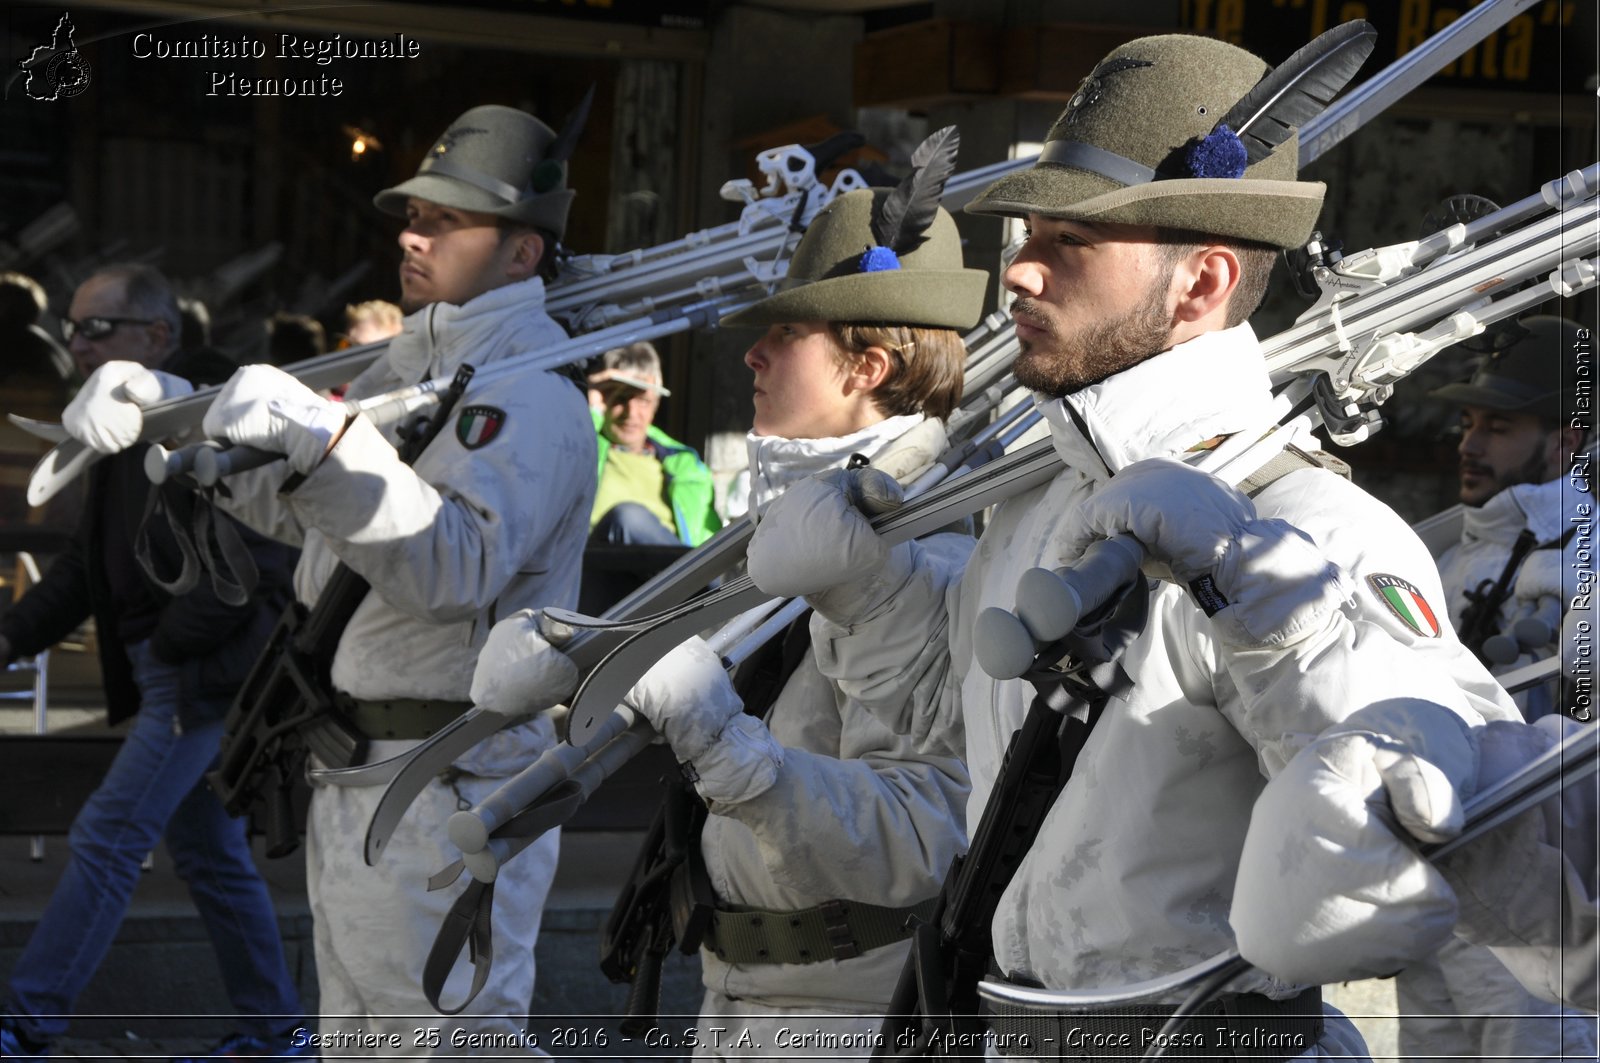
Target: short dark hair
x=147, y=292
x=549, y=263
x=928, y=365
x=1255, y=265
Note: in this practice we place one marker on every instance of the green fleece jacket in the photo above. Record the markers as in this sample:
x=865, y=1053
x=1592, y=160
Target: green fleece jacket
x=688, y=487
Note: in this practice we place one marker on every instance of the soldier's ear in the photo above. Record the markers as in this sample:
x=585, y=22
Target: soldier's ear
x=527, y=251
x=1204, y=280
x=870, y=369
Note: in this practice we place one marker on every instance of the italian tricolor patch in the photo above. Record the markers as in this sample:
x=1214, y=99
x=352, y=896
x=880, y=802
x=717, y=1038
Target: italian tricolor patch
x=1406, y=602
x=479, y=424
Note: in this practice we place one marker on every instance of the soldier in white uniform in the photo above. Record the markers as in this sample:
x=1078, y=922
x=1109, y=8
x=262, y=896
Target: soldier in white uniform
x=1517, y=537
x=1518, y=498
x=1150, y=234
x=826, y=830
x=491, y=518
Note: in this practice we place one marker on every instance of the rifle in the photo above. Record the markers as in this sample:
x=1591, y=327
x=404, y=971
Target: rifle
x=1481, y=619
x=285, y=710
x=667, y=902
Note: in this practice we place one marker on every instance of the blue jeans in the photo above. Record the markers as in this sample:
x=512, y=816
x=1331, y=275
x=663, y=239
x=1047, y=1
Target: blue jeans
x=156, y=786
x=630, y=524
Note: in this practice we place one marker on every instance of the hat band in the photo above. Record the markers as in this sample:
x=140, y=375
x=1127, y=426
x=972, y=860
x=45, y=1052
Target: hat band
x=1107, y=164
x=446, y=167
x=1512, y=388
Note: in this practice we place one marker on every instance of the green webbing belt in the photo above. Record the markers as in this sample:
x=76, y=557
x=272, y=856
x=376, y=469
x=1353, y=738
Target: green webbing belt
x=833, y=930
x=410, y=718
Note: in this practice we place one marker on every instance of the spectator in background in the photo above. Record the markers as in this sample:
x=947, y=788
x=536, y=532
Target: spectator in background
x=653, y=490
x=172, y=663
x=293, y=338
x=370, y=322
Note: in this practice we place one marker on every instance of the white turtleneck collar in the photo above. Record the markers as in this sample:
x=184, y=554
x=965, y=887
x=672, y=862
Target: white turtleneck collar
x=777, y=462
x=435, y=340
x=1213, y=385
x=1547, y=509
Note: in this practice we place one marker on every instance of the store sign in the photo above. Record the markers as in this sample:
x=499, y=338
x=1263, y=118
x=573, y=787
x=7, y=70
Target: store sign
x=667, y=14
x=1540, y=50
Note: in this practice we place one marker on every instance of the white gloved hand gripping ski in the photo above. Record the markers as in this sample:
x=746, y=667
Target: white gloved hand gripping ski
x=689, y=700
x=107, y=413
x=519, y=672
x=1331, y=886
x=816, y=541
x=261, y=406
x=1263, y=582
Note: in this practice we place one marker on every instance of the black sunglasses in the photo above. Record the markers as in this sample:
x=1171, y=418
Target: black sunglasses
x=98, y=328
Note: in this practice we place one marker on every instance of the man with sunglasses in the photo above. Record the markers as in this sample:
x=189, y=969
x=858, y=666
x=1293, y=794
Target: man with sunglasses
x=170, y=661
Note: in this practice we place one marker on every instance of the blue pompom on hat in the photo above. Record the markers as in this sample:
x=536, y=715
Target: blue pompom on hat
x=1219, y=154
x=876, y=259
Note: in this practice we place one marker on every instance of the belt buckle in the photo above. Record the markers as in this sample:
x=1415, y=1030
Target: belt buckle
x=836, y=924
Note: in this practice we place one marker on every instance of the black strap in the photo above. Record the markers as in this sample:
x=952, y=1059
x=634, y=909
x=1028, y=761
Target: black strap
x=761, y=677
x=466, y=924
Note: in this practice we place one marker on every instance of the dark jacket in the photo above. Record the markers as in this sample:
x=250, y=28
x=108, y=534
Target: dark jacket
x=212, y=642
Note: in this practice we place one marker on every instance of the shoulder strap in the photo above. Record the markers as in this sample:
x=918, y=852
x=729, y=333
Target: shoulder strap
x=1291, y=459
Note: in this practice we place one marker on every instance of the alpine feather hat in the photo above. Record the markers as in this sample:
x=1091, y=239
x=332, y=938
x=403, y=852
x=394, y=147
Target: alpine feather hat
x=500, y=161
x=1533, y=366
x=882, y=256
x=1191, y=133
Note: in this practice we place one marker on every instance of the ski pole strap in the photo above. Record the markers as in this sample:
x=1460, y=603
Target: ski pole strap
x=214, y=547
x=1242, y=1026
x=466, y=925
x=832, y=930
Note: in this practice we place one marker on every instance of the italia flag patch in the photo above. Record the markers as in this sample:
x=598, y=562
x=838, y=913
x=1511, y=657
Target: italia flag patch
x=477, y=425
x=1406, y=602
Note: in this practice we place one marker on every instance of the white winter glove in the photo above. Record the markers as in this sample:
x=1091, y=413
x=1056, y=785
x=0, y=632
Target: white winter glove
x=1331, y=886
x=107, y=413
x=689, y=700
x=261, y=406
x=519, y=672
x=1262, y=582
x=1539, y=595
x=815, y=541
x=1540, y=576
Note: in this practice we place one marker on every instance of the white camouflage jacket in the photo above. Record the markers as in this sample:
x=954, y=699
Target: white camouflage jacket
x=857, y=813
x=1488, y=533
x=1132, y=874
x=490, y=519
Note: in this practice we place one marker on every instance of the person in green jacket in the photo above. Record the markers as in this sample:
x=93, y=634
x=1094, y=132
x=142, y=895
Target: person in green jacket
x=652, y=489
